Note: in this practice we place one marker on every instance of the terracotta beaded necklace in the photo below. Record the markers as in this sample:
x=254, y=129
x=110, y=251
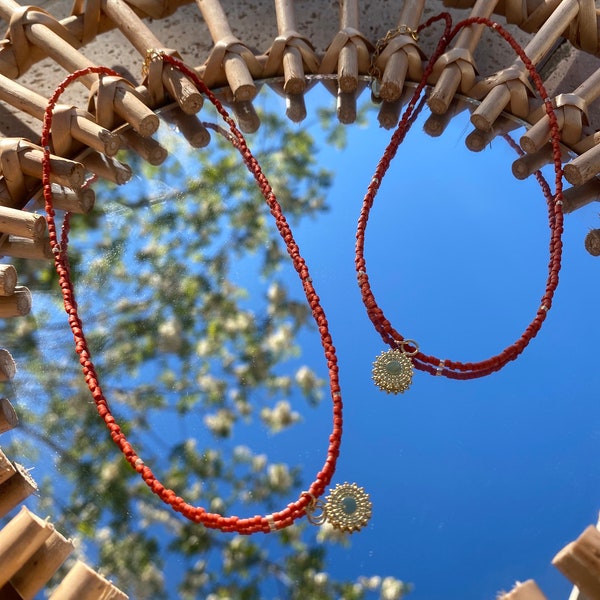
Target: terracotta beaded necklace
x=347, y=507
x=393, y=369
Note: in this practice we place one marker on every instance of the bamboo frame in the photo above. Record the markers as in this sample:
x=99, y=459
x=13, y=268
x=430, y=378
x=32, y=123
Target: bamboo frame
x=81, y=583
x=34, y=34
x=19, y=540
x=455, y=69
x=33, y=576
x=15, y=490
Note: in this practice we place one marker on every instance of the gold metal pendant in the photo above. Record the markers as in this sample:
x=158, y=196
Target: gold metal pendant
x=393, y=369
x=347, y=507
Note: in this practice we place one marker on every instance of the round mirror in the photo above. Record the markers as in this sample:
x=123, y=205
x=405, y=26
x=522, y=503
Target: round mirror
x=209, y=357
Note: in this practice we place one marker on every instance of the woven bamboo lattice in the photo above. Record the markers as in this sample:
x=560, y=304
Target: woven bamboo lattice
x=39, y=48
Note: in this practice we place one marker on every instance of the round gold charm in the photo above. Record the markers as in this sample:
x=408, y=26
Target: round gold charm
x=393, y=371
x=347, y=507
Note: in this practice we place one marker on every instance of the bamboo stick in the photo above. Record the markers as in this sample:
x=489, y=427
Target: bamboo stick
x=584, y=167
x=8, y=278
x=246, y=116
x=19, y=247
x=6, y=468
x=346, y=107
x=22, y=223
x=191, y=127
x=14, y=491
x=389, y=114
x=8, y=416
x=226, y=55
x=404, y=57
x=592, y=242
x=80, y=124
x=579, y=196
x=528, y=590
x=79, y=201
x=8, y=369
x=528, y=164
x=37, y=571
x=293, y=68
x=579, y=562
x=19, y=540
x=62, y=170
x=148, y=148
x=17, y=305
x=539, y=133
x=494, y=103
x=348, y=57
x=107, y=167
x=180, y=88
x=81, y=583
x=455, y=68
x=295, y=107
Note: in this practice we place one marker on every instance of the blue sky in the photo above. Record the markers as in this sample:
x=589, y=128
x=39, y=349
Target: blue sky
x=475, y=484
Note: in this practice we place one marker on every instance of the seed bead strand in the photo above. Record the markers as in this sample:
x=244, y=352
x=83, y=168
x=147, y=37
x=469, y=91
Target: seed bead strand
x=198, y=514
x=432, y=364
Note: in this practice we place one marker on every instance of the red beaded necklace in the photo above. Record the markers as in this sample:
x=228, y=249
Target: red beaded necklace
x=347, y=507
x=393, y=369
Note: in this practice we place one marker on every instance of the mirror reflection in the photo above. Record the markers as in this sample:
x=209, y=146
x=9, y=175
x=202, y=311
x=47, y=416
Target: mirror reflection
x=209, y=356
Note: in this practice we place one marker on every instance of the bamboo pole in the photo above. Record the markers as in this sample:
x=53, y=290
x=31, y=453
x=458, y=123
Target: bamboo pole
x=19, y=247
x=579, y=196
x=246, y=116
x=179, y=87
x=107, y=167
x=402, y=55
x=389, y=114
x=579, y=562
x=592, y=242
x=348, y=58
x=79, y=201
x=528, y=164
x=12, y=492
x=148, y=148
x=293, y=68
x=19, y=540
x=528, y=590
x=22, y=223
x=80, y=124
x=190, y=127
x=507, y=89
x=6, y=468
x=81, y=583
x=8, y=279
x=584, y=167
x=8, y=416
x=8, y=369
x=227, y=53
x=41, y=566
x=62, y=170
x=455, y=69
x=17, y=305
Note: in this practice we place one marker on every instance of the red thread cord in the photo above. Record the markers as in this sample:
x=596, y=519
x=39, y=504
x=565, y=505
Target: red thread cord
x=259, y=523
x=432, y=364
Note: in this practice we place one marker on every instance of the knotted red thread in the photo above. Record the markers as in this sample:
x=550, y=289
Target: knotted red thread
x=431, y=364
x=258, y=523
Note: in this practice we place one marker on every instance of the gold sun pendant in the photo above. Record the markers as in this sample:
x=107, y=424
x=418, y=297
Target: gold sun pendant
x=347, y=508
x=393, y=369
